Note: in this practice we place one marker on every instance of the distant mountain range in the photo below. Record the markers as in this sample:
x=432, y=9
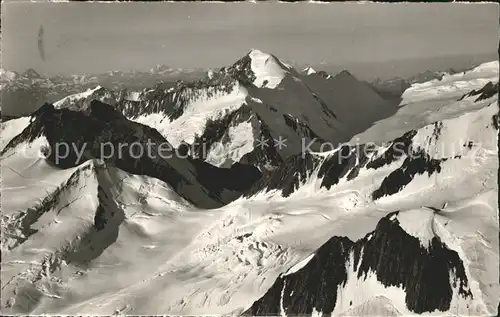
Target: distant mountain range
x=24, y=92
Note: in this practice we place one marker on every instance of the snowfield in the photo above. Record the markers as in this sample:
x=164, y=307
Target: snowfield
x=96, y=240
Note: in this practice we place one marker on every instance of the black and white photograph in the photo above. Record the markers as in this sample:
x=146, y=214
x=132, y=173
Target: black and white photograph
x=249, y=159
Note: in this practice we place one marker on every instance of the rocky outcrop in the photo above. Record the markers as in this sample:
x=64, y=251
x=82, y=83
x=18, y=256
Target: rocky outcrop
x=396, y=258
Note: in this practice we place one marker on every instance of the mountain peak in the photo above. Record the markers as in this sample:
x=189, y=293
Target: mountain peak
x=267, y=58
x=309, y=70
x=269, y=71
x=31, y=73
x=160, y=68
x=256, y=53
x=257, y=68
x=345, y=72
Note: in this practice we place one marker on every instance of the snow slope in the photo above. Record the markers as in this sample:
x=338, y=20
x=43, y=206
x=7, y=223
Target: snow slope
x=12, y=128
x=433, y=101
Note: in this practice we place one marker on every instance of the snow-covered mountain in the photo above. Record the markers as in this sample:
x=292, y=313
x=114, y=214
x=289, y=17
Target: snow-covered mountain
x=31, y=74
x=100, y=123
x=308, y=70
x=405, y=225
x=257, y=100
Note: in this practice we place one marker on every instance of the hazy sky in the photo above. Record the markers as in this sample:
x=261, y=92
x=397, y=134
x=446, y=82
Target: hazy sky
x=95, y=37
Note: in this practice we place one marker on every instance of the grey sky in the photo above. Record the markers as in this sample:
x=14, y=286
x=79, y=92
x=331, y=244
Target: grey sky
x=96, y=37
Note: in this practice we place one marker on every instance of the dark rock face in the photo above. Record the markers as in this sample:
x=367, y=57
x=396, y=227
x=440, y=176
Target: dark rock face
x=315, y=285
x=496, y=121
x=241, y=70
x=336, y=166
x=105, y=133
x=393, y=88
x=347, y=162
x=290, y=174
x=363, y=154
x=266, y=158
x=436, y=133
x=217, y=131
x=416, y=164
x=397, y=148
x=301, y=127
x=488, y=91
x=427, y=287
x=239, y=177
x=396, y=258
